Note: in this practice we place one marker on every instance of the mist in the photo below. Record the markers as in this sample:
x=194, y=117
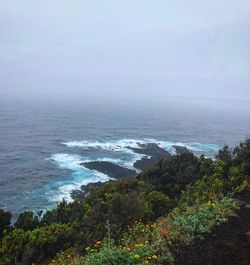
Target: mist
x=112, y=50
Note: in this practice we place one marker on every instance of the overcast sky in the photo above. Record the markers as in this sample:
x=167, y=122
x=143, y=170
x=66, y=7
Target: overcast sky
x=153, y=49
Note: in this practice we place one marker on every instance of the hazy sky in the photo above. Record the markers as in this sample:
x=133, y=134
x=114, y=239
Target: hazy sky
x=157, y=49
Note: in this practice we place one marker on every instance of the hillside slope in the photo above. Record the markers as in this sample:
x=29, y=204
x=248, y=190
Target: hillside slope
x=228, y=244
x=184, y=210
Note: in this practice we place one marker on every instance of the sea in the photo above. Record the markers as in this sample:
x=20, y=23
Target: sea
x=42, y=144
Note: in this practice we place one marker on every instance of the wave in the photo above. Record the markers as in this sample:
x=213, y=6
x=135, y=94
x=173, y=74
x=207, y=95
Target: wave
x=199, y=147
x=73, y=162
x=67, y=161
x=61, y=189
x=112, y=145
x=122, y=145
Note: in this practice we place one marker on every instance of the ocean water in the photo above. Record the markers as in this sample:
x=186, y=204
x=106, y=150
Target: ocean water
x=43, y=144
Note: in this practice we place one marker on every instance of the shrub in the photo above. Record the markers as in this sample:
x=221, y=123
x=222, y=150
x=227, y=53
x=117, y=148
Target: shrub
x=196, y=221
x=110, y=254
x=34, y=246
x=142, y=236
x=160, y=204
x=27, y=221
x=242, y=156
x=5, y=218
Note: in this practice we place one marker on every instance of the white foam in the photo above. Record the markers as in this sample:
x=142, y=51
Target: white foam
x=82, y=176
x=63, y=191
x=122, y=145
x=67, y=161
x=59, y=190
x=199, y=147
x=112, y=145
x=73, y=162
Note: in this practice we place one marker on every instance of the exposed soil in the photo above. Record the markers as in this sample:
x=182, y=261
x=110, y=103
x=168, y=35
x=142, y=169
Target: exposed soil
x=228, y=244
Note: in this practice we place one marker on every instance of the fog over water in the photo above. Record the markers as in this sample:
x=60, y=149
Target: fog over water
x=43, y=144
x=83, y=80
x=108, y=49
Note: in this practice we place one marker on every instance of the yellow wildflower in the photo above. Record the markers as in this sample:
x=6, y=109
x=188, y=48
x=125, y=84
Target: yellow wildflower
x=136, y=256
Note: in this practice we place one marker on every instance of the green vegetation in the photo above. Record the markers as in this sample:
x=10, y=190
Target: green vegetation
x=27, y=221
x=111, y=254
x=135, y=220
x=199, y=219
x=5, y=218
x=35, y=245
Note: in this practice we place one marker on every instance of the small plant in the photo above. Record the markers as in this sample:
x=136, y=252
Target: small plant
x=145, y=240
x=67, y=257
x=200, y=220
x=109, y=254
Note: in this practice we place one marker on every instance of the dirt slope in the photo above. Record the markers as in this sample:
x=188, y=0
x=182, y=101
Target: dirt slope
x=228, y=244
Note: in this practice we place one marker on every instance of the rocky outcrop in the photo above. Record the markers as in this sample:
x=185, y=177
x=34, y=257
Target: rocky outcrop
x=80, y=194
x=153, y=153
x=151, y=149
x=180, y=149
x=110, y=169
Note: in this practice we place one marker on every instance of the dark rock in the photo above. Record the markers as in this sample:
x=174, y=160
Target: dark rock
x=110, y=169
x=145, y=163
x=154, y=153
x=151, y=149
x=92, y=185
x=80, y=194
x=180, y=149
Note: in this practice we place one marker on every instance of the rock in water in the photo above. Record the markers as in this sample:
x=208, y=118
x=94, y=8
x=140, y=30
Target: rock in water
x=110, y=169
x=153, y=152
x=180, y=149
x=144, y=163
x=80, y=194
x=151, y=149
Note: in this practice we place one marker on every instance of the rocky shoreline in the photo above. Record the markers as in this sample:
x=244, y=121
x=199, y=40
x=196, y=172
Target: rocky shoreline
x=110, y=169
x=83, y=192
x=153, y=153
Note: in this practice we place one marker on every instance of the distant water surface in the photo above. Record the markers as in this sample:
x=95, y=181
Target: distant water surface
x=42, y=145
